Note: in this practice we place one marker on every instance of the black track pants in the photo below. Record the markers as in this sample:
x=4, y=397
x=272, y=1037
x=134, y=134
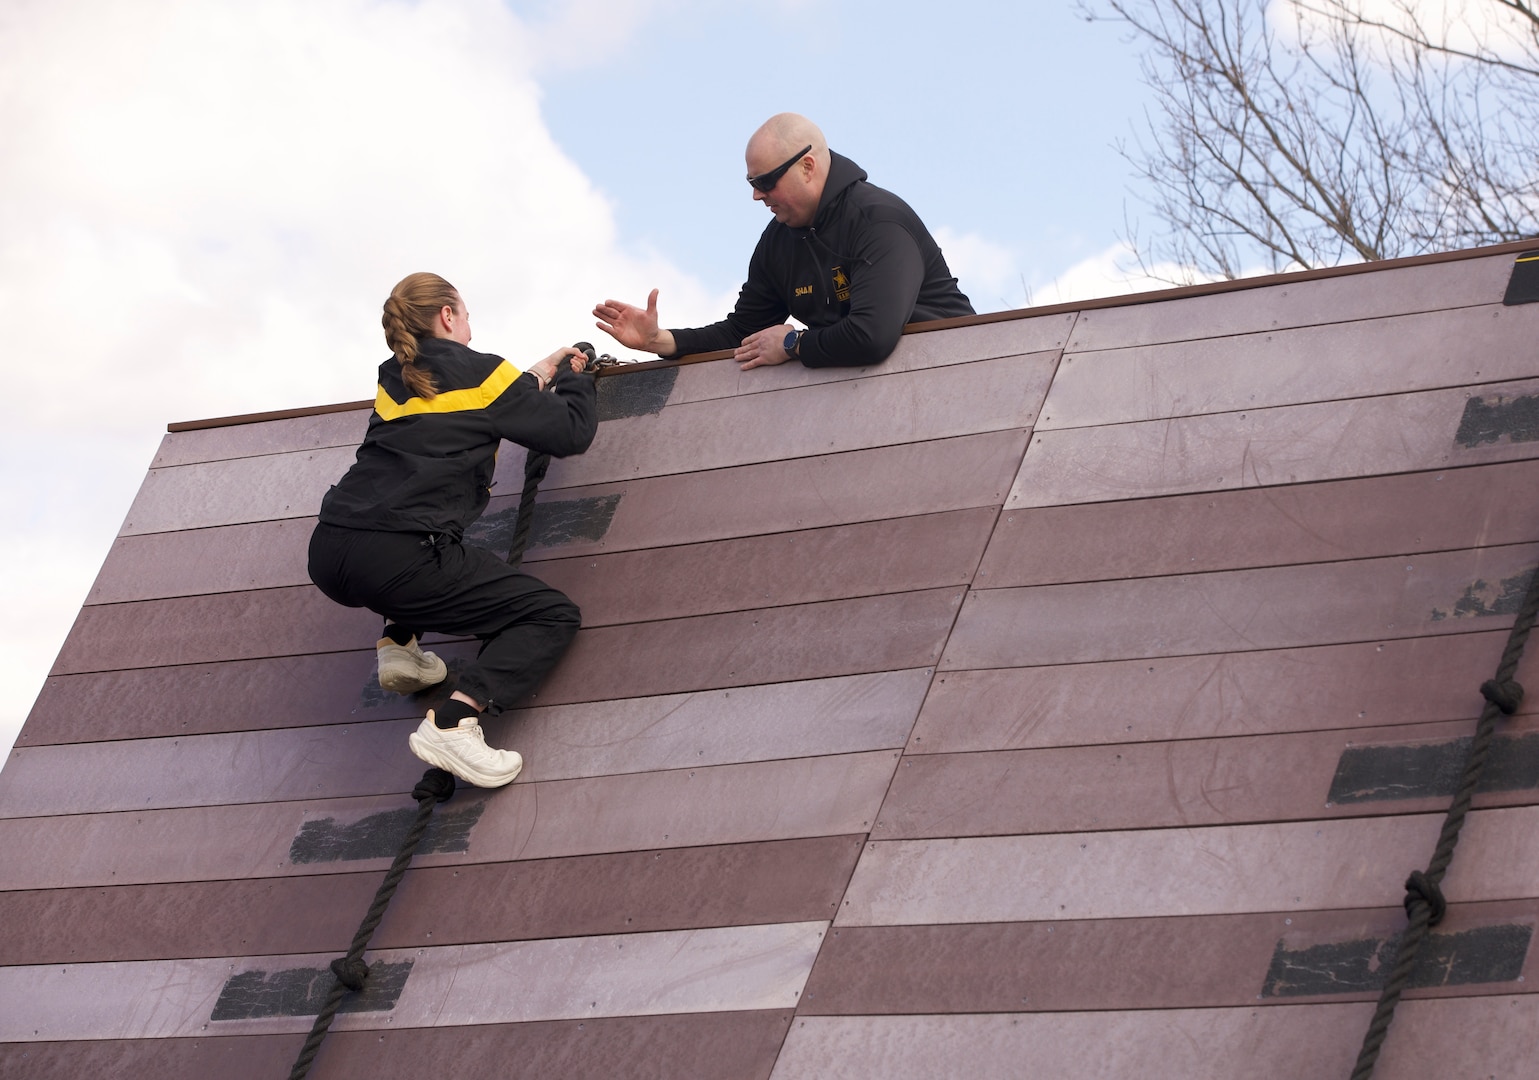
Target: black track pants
x=443, y=586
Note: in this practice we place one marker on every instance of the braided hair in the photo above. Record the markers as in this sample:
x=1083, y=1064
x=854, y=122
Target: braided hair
x=409, y=313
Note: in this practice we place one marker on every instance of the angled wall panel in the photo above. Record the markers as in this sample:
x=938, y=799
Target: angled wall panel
x=1069, y=695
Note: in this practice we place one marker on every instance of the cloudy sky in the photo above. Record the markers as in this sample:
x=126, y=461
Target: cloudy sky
x=203, y=203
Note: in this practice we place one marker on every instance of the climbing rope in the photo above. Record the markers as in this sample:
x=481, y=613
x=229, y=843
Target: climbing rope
x=536, y=463
x=1424, y=902
x=534, y=471
x=603, y=361
x=435, y=787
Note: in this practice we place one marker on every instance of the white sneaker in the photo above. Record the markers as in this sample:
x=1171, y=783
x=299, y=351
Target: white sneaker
x=405, y=669
x=463, y=751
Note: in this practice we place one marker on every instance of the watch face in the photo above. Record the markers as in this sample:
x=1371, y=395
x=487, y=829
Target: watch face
x=791, y=340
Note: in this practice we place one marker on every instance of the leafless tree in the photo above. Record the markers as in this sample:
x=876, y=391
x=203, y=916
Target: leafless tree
x=1304, y=133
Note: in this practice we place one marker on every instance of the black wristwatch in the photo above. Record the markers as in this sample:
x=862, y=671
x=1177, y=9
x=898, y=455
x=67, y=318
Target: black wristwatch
x=793, y=339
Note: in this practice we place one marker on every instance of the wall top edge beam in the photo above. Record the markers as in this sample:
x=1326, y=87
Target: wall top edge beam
x=1130, y=300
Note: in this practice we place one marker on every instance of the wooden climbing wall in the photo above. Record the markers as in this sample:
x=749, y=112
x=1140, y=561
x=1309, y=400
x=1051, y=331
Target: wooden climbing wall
x=1067, y=697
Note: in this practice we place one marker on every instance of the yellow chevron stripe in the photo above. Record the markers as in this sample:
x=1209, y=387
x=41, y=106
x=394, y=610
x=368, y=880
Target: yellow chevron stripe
x=1529, y=258
x=473, y=397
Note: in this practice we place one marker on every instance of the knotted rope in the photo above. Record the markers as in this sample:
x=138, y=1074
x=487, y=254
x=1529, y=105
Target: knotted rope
x=536, y=463
x=435, y=787
x=1424, y=902
x=534, y=471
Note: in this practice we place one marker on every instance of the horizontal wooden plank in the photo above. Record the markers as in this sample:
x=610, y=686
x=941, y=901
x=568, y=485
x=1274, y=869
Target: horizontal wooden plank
x=250, y=1057
x=251, y=555
x=1233, y=610
x=244, y=625
x=256, y=440
x=227, y=558
x=1288, y=867
x=806, y=566
x=707, y=1046
x=201, y=629
x=1264, y=447
x=810, y=492
x=1207, y=961
x=340, y=688
x=1195, y=782
x=904, y=407
x=808, y=641
x=847, y=637
x=821, y=490
x=724, y=804
x=1395, y=355
x=1399, y=291
x=631, y=892
x=842, y=715
x=198, y=770
x=710, y=970
x=1411, y=680
x=836, y=489
x=265, y=488
x=780, y=881
x=895, y=555
x=1297, y=523
x=1259, y=448
x=758, y=723
x=1295, y=1042
x=197, y=919
x=194, y=699
x=702, y=1046
x=938, y=348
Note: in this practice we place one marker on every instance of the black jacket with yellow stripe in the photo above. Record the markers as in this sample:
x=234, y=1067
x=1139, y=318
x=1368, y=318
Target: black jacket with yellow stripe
x=425, y=465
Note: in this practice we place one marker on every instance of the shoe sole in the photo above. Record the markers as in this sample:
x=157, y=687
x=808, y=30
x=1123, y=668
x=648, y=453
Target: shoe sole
x=430, y=754
x=403, y=682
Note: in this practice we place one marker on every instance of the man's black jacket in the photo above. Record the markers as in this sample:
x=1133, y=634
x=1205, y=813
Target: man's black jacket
x=426, y=464
x=865, y=267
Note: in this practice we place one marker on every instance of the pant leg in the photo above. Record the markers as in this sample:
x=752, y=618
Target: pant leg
x=524, y=625
x=514, y=660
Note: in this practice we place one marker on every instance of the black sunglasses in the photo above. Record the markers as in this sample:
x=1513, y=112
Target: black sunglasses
x=765, y=182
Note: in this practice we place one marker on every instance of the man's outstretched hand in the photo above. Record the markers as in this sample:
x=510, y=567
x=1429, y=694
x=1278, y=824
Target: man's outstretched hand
x=634, y=327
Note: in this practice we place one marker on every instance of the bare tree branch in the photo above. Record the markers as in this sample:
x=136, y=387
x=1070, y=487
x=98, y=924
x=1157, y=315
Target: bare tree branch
x=1410, y=28
x=1301, y=133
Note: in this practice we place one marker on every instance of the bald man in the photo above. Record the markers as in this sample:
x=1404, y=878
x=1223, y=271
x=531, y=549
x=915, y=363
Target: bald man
x=849, y=260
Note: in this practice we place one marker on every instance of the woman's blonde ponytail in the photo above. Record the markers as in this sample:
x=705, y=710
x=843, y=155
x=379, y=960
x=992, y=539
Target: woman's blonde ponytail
x=409, y=313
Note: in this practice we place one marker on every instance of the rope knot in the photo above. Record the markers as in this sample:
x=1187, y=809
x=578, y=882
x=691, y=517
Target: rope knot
x=349, y=972
x=438, y=784
x=1506, y=695
x=1420, y=887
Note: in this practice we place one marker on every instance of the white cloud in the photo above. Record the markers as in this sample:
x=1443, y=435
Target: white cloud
x=202, y=206
x=992, y=275
x=1113, y=272
x=988, y=273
